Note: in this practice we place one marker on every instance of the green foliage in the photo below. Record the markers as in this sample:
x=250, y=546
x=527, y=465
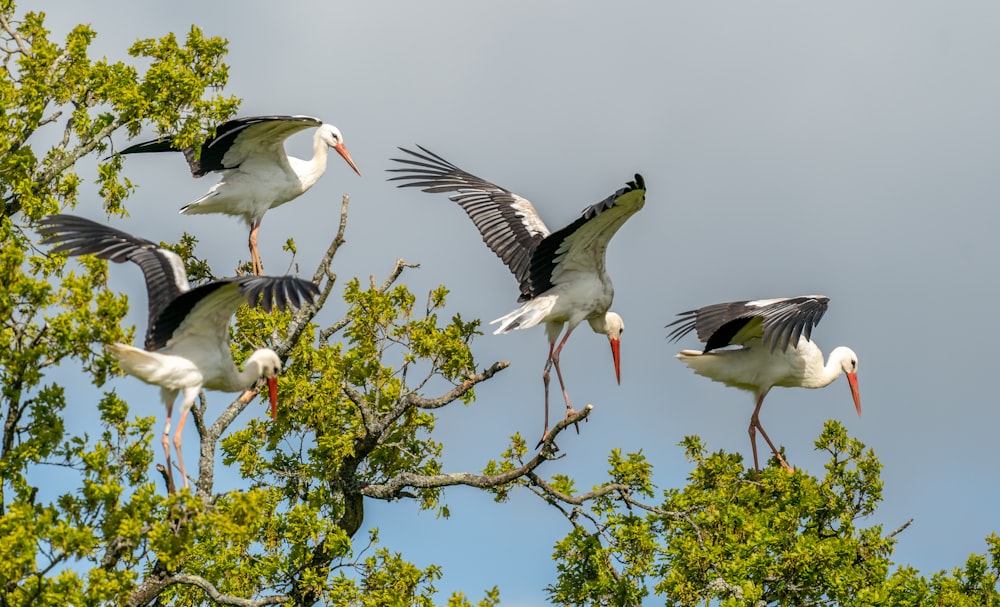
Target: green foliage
x=732, y=539
x=355, y=420
x=56, y=88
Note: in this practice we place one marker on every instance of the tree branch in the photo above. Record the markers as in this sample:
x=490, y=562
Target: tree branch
x=151, y=588
x=393, y=276
x=900, y=529
x=458, y=391
x=376, y=425
x=395, y=487
x=12, y=206
x=15, y=36
x=308, y=312
x=579, y=499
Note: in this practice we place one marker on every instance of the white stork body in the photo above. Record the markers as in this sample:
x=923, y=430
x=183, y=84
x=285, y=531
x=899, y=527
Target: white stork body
x=187, y=340
x=257, y=173
x=562, y=274
x=775, y=350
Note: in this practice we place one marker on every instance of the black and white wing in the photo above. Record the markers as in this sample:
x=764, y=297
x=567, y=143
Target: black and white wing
x=173, y=305
x=206, y=310
x=163, y=269
x=509, y=224
x=581, y=245
x=778, y=323
x=235, y=141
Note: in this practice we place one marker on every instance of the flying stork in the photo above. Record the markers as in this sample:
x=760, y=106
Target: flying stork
x=776, y=350
x=257, y=173
x=187, y=338
x=562, y=274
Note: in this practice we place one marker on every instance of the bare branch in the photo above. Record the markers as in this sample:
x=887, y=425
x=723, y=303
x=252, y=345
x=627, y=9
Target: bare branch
x=578, y=500
x=900, y=529
x=395, y=487
x=15, y=36
x=337, y=326
x=458, y=391
x=168, y=479
x=377, y=425
x=396, y=271
x=151, y=588
x=324, y=265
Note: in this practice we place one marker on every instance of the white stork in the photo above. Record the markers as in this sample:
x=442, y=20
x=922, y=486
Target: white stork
x=257, y=173
x=777, y=350
x=187, y=340
x=562, y=274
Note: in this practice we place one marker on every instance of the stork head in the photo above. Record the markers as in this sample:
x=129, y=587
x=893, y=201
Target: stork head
x=614, y=326
x=330, y=135
x=269, y=366
x=849, y=363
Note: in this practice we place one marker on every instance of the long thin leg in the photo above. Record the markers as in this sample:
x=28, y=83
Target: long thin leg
x=554, y=357
x=754, y=426
x=166, y=445
x=258, y=268
x=177, y=445
x=545, y=380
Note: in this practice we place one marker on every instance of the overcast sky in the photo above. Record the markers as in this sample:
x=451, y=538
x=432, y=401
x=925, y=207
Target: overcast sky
x=789, y=148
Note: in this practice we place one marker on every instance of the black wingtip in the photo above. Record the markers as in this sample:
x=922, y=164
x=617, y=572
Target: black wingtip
x=162, y=144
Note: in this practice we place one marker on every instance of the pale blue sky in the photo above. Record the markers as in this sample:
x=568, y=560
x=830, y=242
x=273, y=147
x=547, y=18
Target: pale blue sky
x=848, y=149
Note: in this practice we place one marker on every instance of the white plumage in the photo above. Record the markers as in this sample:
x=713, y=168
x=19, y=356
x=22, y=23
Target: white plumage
x=187, y=339
x=776, y=349
x=257, y=173
x=562, y=274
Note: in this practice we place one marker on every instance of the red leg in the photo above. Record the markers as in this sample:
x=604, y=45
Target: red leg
x=258, y=268
x=754, y=426
x=166, y=445
x=554, y=357
x=177, y=445
x=545, y=380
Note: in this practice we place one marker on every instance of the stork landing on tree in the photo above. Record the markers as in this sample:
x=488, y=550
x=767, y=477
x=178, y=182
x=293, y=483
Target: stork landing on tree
x=187, y=338
x=776, y=350
x=561, y=274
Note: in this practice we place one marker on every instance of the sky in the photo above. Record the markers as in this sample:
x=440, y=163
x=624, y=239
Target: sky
x=848, y=149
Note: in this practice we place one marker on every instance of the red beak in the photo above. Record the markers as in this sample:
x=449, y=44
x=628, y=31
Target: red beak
x=272, y=392
x=852, y=378
x=616, y=352
x=347, y=156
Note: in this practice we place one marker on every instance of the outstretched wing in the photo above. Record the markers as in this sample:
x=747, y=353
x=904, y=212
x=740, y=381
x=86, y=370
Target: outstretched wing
x=581, y=245
x=235, y=141
x=778, y=323
x=207, y=309
x=175, y=310
x=163, y=269
x=509, y=224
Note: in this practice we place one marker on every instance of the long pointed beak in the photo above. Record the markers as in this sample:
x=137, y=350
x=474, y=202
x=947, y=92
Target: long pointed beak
x=272, y=392
x=347, y=156
x=852, y=378
x=616, y=352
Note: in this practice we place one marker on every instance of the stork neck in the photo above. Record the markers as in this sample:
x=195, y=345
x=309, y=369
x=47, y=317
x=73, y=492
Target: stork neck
x=253, y=370
x=824, y=376
x=607, y=323
x=313, y=168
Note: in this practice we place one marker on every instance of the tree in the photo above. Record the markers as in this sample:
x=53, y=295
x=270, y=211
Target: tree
x=731, y=538
x=359, y=398
x=358, y=419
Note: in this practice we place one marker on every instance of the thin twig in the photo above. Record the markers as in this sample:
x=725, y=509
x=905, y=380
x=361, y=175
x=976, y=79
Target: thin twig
x=396, y=485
